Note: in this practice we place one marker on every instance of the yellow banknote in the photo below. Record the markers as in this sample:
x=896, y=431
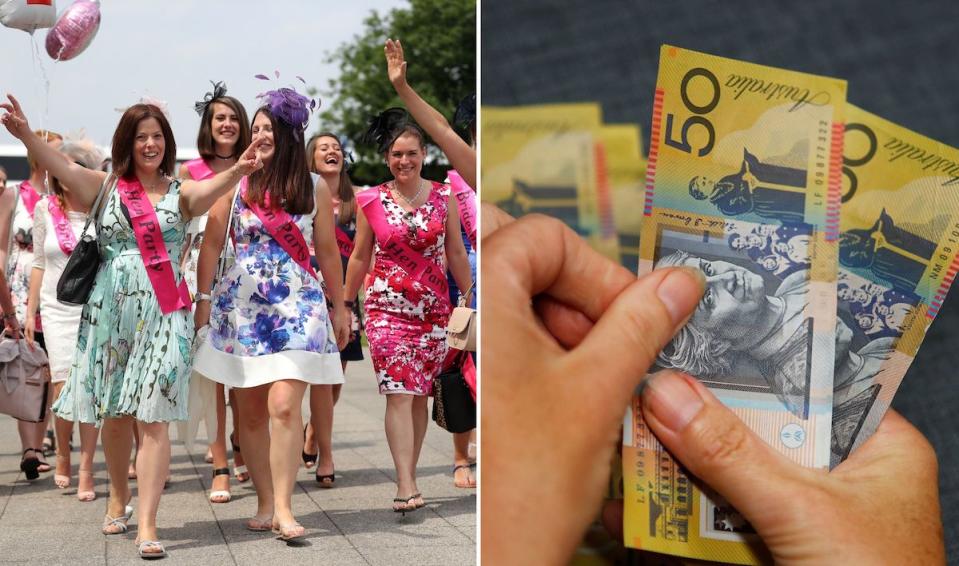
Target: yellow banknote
x=743, y=182
x=625, y=163
x=543, y=159
x=897, y=258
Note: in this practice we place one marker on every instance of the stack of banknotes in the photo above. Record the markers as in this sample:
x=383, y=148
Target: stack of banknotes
x=828, y=237
x=562, y=160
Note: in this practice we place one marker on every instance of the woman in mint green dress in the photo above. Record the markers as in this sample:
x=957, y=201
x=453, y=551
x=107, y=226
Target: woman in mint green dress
x=133, y=359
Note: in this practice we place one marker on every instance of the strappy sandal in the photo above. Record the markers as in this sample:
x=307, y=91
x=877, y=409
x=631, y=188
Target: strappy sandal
x=43, y=465
x=119, y=523
x=409, y=507
x=29, y=466
x=60, y=480
x=239, y=472
x=470, y=482
x=85, y=495
x=258, y=525
x=292, y=531
x=143, y=546
x=219, y=495
x=421, y=503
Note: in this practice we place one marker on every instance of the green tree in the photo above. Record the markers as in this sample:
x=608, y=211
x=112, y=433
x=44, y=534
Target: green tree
x=439, y=40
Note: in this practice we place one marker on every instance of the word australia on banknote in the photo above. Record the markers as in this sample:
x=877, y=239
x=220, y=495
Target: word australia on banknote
x=897, y=258
x=743, y=182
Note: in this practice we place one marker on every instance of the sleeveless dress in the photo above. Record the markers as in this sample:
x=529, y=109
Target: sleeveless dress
x=20, y=261
x=405, y=320
x=269, y=319
x=61, y=321
x=131, y=359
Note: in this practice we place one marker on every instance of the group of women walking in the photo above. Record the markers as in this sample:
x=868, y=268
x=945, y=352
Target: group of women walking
x=261, y=245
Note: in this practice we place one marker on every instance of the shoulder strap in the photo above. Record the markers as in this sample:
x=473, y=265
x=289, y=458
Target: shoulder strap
x=221, y=262
x=96, y=212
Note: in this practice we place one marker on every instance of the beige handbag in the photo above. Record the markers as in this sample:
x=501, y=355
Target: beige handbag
x=24, y=381
x=461, y=328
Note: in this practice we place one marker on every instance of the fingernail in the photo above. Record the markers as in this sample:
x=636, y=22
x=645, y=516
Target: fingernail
x=681, y=291
x=671, y=400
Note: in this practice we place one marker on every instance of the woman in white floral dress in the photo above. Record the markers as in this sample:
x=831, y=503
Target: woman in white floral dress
x=270, y=332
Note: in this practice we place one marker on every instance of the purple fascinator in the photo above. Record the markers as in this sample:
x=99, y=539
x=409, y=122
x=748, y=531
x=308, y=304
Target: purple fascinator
x=385, y=127
x=288, y=105
x=219, y=91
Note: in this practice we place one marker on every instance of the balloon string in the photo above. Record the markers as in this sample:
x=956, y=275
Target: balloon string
x=41, y=72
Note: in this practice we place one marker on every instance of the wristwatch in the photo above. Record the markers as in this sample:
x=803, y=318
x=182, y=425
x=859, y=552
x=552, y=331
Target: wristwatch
x=202, y=297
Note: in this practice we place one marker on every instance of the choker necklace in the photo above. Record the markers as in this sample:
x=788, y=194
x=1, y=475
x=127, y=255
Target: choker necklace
x=218, y=156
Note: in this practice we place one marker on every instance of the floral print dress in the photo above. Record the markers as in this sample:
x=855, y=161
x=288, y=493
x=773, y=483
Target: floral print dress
x=405, y=320
x=131, y=359
x=269, y=319
x=20, y=261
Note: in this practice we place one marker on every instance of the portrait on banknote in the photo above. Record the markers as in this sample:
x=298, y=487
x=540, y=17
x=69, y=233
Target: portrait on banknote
x=752, y=283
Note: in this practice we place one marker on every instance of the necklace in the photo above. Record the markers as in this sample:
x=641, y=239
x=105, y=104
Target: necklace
x=218, y=156
x=409, y=201
x=152, y=186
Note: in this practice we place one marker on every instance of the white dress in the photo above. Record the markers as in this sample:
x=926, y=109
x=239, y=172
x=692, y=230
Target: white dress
x=60, y=321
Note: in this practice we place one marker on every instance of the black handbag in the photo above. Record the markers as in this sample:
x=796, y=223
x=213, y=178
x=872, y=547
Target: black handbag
x=454, y=409
x=76, y=281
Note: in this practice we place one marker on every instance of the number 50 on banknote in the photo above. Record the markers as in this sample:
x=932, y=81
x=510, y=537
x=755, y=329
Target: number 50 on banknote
x=743, y=183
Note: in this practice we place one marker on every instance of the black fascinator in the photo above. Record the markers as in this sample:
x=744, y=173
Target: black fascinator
x=465, y=116
x=385, y=127
x=219, y=91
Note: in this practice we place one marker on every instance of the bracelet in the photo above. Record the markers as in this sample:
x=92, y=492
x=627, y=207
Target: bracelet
x=202, y=297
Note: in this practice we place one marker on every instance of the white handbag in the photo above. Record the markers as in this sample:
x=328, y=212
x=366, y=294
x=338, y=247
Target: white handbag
x=24, y=381
x=461, y=328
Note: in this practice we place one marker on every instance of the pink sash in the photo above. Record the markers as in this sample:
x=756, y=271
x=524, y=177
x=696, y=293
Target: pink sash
x=149, y=238
x=344, y=242
x=281, y=227
x=30, y=196
x=198, y=169
x=61, y=226
x=412, y=261
x=466, y=202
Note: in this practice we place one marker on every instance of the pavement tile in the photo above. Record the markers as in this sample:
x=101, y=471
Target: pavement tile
x=350, y=524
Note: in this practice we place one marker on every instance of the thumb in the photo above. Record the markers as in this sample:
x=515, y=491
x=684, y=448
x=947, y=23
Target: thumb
x=716, y=446
x=636, y=326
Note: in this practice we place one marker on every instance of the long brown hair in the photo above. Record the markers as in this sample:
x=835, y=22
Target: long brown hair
x=204, y=138
x=287, y=177
x=126, y=133
x=344, y=189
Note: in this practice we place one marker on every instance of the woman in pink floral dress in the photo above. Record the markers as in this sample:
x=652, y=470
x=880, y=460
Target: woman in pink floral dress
x=406, y=309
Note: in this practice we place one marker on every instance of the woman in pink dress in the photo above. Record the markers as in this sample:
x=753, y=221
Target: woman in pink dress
x=406, y=307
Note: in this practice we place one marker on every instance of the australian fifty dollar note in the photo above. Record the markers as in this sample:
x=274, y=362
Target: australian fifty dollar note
x=743, y=183
x=897, y=258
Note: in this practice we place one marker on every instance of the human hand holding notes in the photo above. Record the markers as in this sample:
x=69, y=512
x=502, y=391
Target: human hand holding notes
x=551, y=413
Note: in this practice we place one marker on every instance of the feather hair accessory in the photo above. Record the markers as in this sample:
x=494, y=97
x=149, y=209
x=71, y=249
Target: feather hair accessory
x=219, y=91
x=385, y=127
x=288, y=105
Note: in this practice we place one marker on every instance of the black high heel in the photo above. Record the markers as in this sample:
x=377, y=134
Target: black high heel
x=29, y=465
x=309, y=460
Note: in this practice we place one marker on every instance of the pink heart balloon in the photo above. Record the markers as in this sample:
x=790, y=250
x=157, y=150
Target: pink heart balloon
x=74, y=30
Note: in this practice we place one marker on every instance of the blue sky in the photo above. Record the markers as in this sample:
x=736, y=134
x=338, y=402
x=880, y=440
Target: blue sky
x=170, y=50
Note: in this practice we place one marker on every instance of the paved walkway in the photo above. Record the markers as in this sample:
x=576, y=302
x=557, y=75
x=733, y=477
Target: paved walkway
x=350, y=524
